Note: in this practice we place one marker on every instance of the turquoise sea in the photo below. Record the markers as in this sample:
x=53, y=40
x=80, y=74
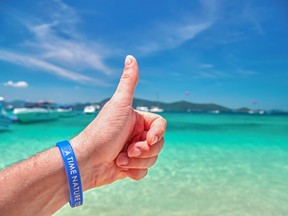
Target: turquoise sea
x=210, y=165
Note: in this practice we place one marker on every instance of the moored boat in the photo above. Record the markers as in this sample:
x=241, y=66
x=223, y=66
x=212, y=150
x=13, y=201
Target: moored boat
x=142, y=108
x=91, y=109
x=156, y=109
x=214, y=111
x=41, y=111
x=4, y=119
x=66, y=111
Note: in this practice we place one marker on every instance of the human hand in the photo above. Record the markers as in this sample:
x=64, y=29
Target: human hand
x=120, y=142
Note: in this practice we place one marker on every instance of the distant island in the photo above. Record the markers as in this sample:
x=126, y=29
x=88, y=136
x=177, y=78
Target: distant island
x=178, y=106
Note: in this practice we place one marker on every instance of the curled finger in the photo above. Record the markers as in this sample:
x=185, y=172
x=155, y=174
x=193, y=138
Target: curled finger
x=143, y=150
x=123, y=161
x=136, y=174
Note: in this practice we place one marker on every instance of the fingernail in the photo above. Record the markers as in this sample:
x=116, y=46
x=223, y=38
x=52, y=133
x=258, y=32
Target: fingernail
x=135, y=152
x=155, y=140
x=128, y=60
x=123, y=160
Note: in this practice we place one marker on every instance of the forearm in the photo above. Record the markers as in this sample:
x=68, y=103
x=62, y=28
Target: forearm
x=35, y=186
x=39, y=185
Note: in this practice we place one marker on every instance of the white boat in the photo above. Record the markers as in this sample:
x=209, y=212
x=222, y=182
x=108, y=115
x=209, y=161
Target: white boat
x=66, y=111
x=261, y=112
x=251, y=112
x=9, y=107
x=91, y=109
x=215, y=111
x=156, y=109
x=4, y=119
x=142, y=108
x=42, y=111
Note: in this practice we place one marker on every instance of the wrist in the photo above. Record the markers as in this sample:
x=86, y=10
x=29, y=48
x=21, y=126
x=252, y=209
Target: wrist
x=92, y=169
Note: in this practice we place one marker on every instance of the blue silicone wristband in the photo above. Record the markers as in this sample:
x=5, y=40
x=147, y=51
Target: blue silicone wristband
x=72, y=172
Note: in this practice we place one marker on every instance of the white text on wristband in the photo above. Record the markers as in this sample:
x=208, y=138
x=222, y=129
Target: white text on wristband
x=72, y=172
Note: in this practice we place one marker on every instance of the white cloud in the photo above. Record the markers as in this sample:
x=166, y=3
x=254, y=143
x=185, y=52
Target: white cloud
x=29, y=61
x=204, y=66
x=213, y=75
x=74, y=51
x=210, y=7
x=59, y=41
x=56, y=46
x=245, y=73
x=251, y=15
x=173, y=35
x=19, y=84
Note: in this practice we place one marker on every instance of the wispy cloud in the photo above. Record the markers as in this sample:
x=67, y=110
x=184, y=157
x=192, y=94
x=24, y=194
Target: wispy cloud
x=213, y=75
x=32, y=62
x=204, y=66
x=210, y=8
x=216, y=74
x=238, y=67
x=250, y=14
x=71, y=50
x=19, y=84
x=232, y=21
x=172, y=35
x=245, y=73
x=55, y=45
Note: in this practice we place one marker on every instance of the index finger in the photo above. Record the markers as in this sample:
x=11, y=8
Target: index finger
x=155, y=125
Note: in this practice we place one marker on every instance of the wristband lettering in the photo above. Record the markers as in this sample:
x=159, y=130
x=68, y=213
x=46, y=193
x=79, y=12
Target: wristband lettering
x=72, y=172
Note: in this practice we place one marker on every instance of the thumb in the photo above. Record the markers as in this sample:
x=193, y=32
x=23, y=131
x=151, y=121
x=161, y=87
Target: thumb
x=128, y=82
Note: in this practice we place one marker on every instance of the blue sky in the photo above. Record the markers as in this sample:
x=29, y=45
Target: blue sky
x=233, y=53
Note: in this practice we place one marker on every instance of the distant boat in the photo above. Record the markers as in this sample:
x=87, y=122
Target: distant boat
x=4, y=119
x=41, y=111
x=251, y=112
x=66, y=111
x=261, y=112
x=215, y=111
x=9, y=107
x=142, y=108
x=156, y=109
x=91, y=109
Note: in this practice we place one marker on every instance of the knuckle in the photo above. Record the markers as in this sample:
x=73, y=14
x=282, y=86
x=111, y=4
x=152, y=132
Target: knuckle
x=129, y=73
x=126, y=75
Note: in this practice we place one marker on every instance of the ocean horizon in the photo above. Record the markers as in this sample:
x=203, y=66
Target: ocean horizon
x=172, y=106
x=211, y=164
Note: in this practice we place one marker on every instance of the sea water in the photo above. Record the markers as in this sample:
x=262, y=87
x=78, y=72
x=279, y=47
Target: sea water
x=211, y=165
